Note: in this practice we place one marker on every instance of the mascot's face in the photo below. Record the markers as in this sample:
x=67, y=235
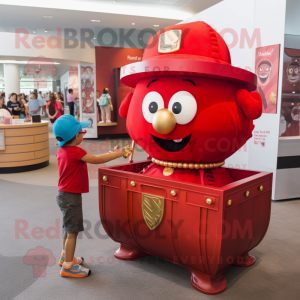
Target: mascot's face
x=264, y=71
x=187, y=119
x=293, y=72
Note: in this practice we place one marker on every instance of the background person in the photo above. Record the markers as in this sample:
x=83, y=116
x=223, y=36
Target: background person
x=23, y=108
x=98, y=95
x=60, y=100
x=2, y=104
x=25, y=105
x=90, y=123
x=71, y=102
x=34, y=105
x=105, y=106
x=40, y=96
x=13, y=105
x=53, y=108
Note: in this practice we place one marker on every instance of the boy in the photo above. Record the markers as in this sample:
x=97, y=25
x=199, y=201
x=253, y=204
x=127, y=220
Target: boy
x=73, y=181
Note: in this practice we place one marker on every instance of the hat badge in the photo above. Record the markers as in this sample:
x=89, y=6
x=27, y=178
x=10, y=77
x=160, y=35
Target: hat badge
x=170, y=41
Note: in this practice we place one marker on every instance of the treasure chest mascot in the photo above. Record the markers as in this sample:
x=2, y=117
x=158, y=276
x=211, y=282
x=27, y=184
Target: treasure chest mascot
x=191, y=109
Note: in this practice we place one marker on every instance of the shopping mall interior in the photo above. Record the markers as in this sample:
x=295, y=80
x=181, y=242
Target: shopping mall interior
x=152, y=147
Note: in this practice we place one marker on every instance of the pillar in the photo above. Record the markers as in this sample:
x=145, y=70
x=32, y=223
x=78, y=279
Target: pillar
x=11, y=79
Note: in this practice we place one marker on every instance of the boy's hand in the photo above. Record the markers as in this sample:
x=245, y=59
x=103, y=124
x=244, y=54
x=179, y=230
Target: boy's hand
x=128, y=151
x=125, y=152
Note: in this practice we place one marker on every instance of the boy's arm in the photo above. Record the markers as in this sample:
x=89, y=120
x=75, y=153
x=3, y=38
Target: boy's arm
x=103, y=158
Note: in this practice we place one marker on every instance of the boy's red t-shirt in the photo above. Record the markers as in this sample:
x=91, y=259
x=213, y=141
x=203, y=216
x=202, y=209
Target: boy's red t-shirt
x=73, y=173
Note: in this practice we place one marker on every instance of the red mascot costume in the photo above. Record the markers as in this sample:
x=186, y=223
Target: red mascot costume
x=191, y=109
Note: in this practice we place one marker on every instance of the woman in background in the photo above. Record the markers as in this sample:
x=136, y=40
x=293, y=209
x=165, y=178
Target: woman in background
x=105, y=106
x=53, y=108
x=34, y=105
x=61, y=102
x=98, y=106
x=3, y=106
x=13, y=105
x=23, y=108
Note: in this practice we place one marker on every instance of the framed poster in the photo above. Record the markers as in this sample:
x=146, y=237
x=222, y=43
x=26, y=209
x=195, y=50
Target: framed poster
x=2, y=140
x=267, y=71
x=87, y=99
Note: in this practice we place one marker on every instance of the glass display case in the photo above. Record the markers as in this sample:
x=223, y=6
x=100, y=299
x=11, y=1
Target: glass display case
x=290, y=104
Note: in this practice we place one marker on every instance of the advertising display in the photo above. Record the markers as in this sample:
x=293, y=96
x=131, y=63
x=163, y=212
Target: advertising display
x=87, y=99
x=267, y=71
x=290, y=105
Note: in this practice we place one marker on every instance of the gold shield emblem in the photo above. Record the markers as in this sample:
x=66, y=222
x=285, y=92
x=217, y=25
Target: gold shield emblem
x=153, y=210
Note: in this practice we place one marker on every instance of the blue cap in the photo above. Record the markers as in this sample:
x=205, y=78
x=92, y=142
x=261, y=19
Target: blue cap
x=66, y=127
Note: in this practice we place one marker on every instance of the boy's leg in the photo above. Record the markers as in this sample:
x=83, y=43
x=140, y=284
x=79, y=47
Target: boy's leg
x=62, y=256
x=70, y=246
x=64, y=241
x=76, y=260
x=69, y=267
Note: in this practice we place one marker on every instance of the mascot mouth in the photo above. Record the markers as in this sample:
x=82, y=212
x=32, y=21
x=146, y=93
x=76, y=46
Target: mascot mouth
x=263, y=78
x=172, y=145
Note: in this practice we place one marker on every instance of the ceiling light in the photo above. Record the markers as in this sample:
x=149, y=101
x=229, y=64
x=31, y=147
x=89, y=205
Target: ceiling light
x=48, y=17
x=94, y=38
x=156, y=25
x=294, y=92
x=34, y=31
x=46, y=31
x=25, y=62
x=133, y=23
x=95, y=21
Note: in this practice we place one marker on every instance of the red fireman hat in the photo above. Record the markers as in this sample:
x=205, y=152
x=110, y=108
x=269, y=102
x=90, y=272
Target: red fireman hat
x=192, y=49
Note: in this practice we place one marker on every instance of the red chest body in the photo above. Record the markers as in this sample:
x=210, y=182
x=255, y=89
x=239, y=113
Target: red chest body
x=204, y=236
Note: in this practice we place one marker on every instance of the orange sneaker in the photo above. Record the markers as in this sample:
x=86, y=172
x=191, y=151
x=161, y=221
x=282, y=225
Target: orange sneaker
x=75, y=271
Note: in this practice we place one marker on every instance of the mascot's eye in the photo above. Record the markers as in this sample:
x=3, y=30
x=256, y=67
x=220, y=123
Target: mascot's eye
x=267, y=68
x=260, y=69
x=176, y=108
x=184, y=106
x=296, y=70
x=291, y=70
x=152, y=102
x=153, y=107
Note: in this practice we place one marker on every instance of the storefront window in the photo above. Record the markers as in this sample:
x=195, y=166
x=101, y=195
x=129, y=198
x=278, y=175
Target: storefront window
x=27, y=87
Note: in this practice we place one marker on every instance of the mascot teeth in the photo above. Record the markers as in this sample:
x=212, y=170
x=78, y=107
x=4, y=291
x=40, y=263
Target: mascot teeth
x=177, y=141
